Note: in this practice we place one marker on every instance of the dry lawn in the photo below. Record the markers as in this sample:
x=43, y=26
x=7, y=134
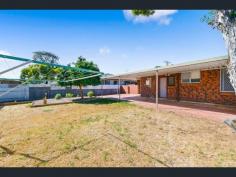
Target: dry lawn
x=107, y=133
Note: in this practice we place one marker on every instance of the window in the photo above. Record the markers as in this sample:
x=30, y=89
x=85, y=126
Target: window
x=191, y=77
x=185, y=77
x=148, y=82
x=226, y=86
x=171, y=81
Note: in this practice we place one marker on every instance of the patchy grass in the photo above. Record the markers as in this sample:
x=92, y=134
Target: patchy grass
x=100, y=101
x=103, y=132
x=47, y=110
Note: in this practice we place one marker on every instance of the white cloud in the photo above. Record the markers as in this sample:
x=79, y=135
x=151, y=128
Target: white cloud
x=3, y=52
x=160, y=16
x=104, y=51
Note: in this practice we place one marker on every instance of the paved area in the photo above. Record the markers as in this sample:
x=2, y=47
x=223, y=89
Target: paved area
x=201, y=110
x=38, y=103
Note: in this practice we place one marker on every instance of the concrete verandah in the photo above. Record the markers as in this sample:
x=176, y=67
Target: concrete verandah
x=196, y=109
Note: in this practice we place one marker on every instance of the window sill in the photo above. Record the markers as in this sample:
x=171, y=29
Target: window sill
x=190, y=82
x=227, y=93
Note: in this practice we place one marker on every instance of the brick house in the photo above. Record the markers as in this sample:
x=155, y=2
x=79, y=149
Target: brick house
x=199, y=81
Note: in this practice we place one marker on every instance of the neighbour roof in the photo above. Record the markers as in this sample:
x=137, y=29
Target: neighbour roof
x=9, y=79
x=211, y=63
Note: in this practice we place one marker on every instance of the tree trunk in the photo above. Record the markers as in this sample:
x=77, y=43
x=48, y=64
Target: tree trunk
x=228, y=29
x=232, y=69
x=230, y=40
x=81, y=92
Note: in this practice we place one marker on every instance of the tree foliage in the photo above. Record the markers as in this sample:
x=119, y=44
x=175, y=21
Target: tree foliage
x=46, y=57
x=143, y=12
x=222, y=20
x=67, y=75
x=38, y=73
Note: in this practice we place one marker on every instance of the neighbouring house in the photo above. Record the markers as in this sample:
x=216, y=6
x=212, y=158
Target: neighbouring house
x=116, y=82
x=126, y=86
x=9, y=81
x=199, y=81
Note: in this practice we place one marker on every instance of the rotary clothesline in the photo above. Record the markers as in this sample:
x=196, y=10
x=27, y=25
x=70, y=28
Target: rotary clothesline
x=86, y=77
x=27, y=61
x=15, y=67
x=50, y=64
x=35, y=80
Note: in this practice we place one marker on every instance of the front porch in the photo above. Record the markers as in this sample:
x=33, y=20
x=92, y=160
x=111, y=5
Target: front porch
x=215, y=112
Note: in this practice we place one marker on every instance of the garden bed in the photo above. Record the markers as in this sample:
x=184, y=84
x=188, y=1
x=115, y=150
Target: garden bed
x=50, y=102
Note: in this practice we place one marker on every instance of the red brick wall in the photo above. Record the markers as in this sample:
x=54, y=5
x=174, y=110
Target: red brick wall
x=139, y=85
x=145, y=90
x=208, y=90
x=129, y=89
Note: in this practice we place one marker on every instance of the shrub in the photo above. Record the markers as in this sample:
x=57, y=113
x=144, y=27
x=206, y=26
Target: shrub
x=90, y=94
x=29, y=104
x=58, y=96
x=69, y=95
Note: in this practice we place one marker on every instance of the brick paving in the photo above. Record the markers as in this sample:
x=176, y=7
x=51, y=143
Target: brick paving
x=201, y=110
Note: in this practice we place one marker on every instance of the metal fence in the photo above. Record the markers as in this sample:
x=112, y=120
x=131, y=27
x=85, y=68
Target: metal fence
x=8, y=94
x=35, y=92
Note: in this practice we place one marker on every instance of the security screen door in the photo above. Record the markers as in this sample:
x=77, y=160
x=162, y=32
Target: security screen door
x=163, y=87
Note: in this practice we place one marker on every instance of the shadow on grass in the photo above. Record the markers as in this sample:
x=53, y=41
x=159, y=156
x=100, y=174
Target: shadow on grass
x=99, y=101
x=137, y=149
x=11, y=152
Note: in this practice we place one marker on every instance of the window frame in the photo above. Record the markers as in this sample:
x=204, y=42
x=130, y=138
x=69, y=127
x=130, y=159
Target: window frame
x=190, y=79
x=150, y=82
x=168, y=81
x=223, y=91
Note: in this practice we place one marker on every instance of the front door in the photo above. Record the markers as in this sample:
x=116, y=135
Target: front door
x=163, y=87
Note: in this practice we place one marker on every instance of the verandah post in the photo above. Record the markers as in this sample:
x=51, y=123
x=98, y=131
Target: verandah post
x=102, y=87
x=157, y=108
x=119, y=88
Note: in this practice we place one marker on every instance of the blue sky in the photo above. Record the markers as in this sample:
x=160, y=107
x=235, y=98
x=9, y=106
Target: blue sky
x=113, y=39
